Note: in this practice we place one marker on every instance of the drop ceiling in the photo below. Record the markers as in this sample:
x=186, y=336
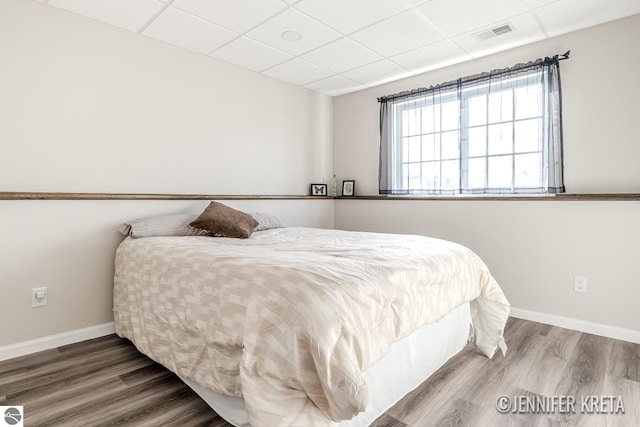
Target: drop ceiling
x=341, y=46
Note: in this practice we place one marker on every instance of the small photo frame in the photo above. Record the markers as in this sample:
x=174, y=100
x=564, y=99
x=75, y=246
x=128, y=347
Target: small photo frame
x=318, y=189
x=348, y=188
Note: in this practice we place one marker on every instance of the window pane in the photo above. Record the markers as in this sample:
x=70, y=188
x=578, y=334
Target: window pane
x=431, y=147
x=414, y=176
x=477, y=141
x=450, y=175
x=450, y=148
x=476, y=173
x=413, y=144
x=405, y=122
x=405, y=150
x=405, y=176
x=501, y=138
x=450, y=115
x=527, y=135
x=431, y=119
x=500, y=172
x=500, y=106
x=477, y=110
x=410, y=121
x=430, y=172
x=528, y=102
x=528, y=169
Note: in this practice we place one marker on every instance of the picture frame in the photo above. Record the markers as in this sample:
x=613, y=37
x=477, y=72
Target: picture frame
x=319, y=190
x=348, y=188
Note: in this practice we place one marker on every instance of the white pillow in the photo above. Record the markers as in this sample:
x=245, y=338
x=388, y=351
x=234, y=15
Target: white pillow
x=266, y=221
x=163, y=225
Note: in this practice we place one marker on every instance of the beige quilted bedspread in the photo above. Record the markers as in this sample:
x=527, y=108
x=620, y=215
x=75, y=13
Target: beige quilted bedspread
x=290, y=318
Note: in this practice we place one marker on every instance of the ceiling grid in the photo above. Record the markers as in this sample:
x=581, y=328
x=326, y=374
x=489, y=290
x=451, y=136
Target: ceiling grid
x=340, y=46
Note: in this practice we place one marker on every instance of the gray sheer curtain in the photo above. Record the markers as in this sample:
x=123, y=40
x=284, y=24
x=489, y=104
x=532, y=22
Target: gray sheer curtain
x=553, y=127
x=412, y=116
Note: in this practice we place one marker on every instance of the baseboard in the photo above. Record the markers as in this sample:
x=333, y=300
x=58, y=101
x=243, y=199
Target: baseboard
x=57, y=340
x=579, y=325
x=71, y=337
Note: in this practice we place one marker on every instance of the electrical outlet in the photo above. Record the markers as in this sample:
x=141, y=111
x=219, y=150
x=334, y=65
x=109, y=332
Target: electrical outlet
x=580, y=284
x=39, y=297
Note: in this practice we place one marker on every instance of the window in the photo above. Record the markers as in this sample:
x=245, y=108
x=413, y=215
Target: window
x=494, y=133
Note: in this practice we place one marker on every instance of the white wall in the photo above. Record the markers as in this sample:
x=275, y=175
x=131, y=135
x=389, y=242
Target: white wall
x=90, y=107
x=86, y=107
x=533, y=248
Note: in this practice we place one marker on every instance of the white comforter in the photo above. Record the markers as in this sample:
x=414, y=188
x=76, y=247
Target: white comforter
x=290, y=318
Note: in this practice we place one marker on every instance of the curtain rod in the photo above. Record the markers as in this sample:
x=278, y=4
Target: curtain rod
x=414, y=92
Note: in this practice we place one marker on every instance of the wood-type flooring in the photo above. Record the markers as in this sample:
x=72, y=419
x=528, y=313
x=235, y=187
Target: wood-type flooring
x=107, y=382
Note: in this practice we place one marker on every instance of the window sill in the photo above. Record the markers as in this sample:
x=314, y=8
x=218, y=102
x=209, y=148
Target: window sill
x=509, y=198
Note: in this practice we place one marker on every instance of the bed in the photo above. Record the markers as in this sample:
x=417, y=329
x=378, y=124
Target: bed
x=299, y=326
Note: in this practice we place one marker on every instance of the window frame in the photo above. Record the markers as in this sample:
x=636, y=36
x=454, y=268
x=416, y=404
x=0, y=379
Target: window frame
x=534, y=76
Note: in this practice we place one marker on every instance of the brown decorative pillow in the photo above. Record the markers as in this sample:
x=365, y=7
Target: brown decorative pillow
x=223, y=221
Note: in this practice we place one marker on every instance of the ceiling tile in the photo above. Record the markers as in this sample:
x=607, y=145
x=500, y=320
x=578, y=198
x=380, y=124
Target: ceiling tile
x=447, y=16
x=335, y=85
x=183, y=29
x=377, y=73
x=313, y=33
x=250, y=54
x=128, y=14
x=525, y=30
x=237, y=15
x=398, y=34
x=349, y=16
x=342, y=55
x=436, y=55
x=297, y=71
x=571, y=15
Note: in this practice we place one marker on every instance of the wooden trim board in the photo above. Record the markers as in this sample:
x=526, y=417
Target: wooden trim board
x=52, y=341
x=70, y=337
x=15, y=195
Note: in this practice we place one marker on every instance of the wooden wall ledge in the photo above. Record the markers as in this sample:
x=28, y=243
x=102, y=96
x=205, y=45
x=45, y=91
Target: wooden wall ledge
x=8, y=195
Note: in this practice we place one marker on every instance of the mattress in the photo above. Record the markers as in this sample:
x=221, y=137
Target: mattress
x=290, y=319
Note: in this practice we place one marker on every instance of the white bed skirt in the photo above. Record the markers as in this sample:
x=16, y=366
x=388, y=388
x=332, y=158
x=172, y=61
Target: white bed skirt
x=406, y=365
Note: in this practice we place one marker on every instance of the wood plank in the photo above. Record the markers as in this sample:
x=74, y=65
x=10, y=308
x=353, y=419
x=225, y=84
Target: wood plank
x=432, y=398
x=10, y=195
x=625, y=360
x=387, y=421
x=63, y=370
